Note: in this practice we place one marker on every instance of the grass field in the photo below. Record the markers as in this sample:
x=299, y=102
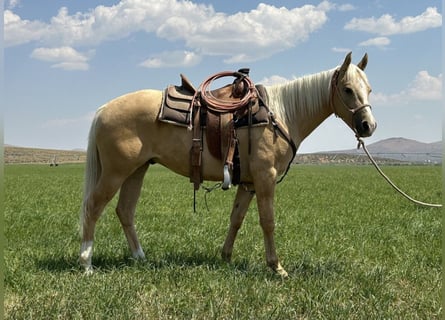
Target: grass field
x=353, y=249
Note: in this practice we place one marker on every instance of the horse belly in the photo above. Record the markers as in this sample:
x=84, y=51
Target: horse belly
x=173, y=152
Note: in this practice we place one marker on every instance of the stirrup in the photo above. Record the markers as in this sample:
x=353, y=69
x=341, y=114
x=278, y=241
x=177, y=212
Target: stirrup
x=227, y=180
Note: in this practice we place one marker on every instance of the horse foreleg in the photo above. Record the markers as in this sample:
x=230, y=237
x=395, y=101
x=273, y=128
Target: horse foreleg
x=126, y=207
x=265, y=200
x=240, y=206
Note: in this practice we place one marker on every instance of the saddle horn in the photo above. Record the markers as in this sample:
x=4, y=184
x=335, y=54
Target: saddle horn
x=239, y=88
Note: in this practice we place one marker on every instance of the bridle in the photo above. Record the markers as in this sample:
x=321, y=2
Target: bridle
x=335, y=91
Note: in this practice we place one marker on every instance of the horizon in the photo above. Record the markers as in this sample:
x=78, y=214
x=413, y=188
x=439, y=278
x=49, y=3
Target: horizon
x=298, y=152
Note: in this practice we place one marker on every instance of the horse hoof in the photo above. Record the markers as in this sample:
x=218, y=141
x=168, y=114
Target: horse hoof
x=139, y=255
x=227, y=257
x=88, y=271
x=282, y=273
x=279, y=271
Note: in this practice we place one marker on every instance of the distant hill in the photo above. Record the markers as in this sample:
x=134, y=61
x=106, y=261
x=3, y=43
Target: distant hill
x=14, y=154
x=402, y=145
x=402, y=149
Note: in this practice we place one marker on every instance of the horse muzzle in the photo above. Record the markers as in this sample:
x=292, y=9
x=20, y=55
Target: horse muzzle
x=364, y=122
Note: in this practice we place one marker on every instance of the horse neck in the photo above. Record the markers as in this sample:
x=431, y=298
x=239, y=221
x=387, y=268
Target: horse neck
x=302, y=104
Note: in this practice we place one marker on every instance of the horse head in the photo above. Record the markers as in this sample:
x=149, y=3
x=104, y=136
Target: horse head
x=349, y=97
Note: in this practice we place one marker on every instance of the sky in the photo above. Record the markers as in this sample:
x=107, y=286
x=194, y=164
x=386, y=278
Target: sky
x=64, y=59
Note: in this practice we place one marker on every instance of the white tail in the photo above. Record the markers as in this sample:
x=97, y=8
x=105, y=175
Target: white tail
x=92, y=170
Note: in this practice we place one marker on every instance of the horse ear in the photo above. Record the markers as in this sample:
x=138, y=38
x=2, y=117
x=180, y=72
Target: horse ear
x=362, y=64
x=345, y=64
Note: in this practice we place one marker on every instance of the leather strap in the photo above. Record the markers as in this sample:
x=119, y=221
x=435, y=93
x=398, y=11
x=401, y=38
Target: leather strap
x=264, y=98
x=196, y=151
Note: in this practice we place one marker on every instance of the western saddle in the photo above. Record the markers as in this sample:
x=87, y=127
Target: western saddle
x=218, y=113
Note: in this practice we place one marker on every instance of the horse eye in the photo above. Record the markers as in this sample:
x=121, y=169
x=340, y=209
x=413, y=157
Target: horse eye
x=348, y=90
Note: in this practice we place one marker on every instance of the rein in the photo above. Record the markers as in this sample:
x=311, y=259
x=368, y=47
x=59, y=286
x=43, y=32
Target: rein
x=361, y=143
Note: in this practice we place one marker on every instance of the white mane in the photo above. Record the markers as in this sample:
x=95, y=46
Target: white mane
x=304, y=96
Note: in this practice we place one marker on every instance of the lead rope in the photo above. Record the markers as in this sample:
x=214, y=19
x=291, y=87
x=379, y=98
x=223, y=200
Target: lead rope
x=361, y=143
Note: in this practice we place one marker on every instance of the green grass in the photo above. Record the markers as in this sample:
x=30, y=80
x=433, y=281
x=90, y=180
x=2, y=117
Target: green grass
x=354, y=249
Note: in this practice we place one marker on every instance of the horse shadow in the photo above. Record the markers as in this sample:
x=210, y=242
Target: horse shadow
x=102, y=263
x=106, y=263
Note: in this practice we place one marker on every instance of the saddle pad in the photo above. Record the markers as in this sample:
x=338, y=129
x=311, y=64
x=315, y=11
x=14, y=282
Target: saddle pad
x=176, y=106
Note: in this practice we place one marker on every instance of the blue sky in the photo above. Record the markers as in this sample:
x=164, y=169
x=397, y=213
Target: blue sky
x=64, y=59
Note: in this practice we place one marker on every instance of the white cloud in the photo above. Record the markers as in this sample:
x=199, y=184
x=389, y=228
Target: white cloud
x=377, y=42
x=240, y=37
x=172, y=59
x=57, y=54
x=346, y=7
x=13, y=3
x=104, y=23
x=245, y=36
x=70, y=122
x=71, y=66
x=17, y=31
x=273, y=80
x=341, y=50
x=387, y=25
x=424, y=87
x=65, y=58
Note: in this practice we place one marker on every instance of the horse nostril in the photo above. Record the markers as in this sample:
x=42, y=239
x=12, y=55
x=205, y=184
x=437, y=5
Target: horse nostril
x=365, y=126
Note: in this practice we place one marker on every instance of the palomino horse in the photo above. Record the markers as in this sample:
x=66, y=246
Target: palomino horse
x=126, y=137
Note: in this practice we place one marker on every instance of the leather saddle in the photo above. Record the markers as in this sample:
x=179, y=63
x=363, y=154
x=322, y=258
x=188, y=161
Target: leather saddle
x=218, y=113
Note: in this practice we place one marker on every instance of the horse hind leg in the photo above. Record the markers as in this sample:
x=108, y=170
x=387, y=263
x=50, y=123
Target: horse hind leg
x=94, y=205
x=126, y=207
x=240, y=206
